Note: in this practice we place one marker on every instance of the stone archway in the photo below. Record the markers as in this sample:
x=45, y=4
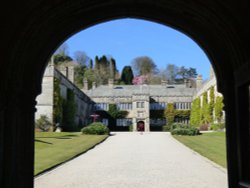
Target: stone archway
x=34, y=29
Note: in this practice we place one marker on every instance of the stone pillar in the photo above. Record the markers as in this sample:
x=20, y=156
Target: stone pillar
x=93, y=85
x=85, y=84
x=17, y=140
x=111, y=83
x=163, y=83
x=199, y=81
x=63, y=70
x=71, y=73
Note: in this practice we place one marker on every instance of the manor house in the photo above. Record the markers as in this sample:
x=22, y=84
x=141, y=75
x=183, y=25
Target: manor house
x=145, y=104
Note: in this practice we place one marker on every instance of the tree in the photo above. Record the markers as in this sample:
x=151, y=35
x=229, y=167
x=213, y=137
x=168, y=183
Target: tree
x=79, y=75
x=171, y=72
x=144, y=65
x=113, y=69
x=114, y=114
x=127, y=75
x=90, y=76
x=170, y=113
x=61, y=58
x=81, y=58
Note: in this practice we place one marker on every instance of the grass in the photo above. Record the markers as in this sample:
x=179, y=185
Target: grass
x=53, y=148
x=210, y=145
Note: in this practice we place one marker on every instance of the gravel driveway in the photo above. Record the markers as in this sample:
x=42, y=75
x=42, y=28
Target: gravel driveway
x=132, y=160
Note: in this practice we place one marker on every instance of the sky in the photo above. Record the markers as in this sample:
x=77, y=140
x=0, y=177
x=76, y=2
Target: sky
x=126, y=39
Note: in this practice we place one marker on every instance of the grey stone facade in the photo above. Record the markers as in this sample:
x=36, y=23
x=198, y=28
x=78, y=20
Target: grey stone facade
x=45, y=101
x=138, y=100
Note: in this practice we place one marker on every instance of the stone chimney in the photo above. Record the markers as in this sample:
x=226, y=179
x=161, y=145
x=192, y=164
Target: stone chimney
x=93, y=85
x=71, y=73
x=63, y=70
x=199, y=81
x=163, y=82
x=111, y=83
x=187, y=83
x=85, y=84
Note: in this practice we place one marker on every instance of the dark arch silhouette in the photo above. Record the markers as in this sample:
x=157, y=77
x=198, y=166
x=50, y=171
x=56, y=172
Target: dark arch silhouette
x=32, y=30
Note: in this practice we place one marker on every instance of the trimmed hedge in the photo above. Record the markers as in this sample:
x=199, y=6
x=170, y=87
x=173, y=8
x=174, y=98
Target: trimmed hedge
x=186, y=131
x=95, y=128
x=218, y=126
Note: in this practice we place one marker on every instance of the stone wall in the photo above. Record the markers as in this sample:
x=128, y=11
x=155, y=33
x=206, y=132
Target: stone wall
x=45, y=101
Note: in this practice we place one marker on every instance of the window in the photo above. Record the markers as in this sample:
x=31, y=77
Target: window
x=101, y=106
x=139, y=104
x=124, y=122
x=157, y=106
x=157, y=121
x=124, y=106
x=105, y=122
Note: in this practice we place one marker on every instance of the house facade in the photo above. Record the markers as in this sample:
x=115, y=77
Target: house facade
x=145, y=104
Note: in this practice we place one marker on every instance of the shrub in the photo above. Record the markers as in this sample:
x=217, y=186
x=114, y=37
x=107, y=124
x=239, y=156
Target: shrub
x=178, y=125
x=217, y=126
x=96, y=128
x=204, y=127
x=43, y=123
x=186, y=131
x=130, y=128
x=166, y=128
x=214, y=127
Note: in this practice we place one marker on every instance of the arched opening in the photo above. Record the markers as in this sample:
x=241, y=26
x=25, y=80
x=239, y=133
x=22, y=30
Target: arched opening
x=221, y=35
x=141, y=126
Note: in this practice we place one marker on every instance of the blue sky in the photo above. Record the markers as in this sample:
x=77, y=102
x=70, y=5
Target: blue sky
x=126, y=39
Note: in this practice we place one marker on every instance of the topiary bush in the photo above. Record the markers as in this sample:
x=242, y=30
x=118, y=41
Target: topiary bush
x=192, y=131
x=96, y=128
x=43, y=123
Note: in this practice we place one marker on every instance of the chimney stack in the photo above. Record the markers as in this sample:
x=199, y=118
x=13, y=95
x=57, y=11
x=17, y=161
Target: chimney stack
x=70, y=73
x=199, y=81
x=111, y=83
x=85, y=84
x=163, y=82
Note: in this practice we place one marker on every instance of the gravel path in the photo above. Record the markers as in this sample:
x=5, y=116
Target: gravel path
x=131, y=160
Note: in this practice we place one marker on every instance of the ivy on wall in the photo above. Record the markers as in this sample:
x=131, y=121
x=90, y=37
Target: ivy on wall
x=207, y=112
x=218, y=108
x=182, y=113
x=170, y=113
x=69, y=112
x=195, y=116
x=206, y=117
x=57, y=107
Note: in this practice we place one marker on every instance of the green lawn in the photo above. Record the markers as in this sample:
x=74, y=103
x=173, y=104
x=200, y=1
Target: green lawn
x=210, y=145
x=53, y=148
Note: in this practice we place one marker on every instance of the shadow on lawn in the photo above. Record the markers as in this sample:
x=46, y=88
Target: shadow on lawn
x=59, y=137
x=42, y=141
